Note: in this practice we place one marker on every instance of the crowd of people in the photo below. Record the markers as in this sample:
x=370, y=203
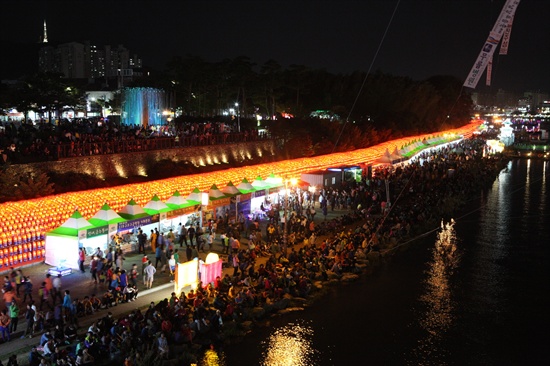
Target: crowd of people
x=29, y=142
x=295, y=256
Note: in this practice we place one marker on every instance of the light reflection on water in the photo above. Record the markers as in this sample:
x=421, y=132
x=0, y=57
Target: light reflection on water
x=290, y=345
x=438, y=313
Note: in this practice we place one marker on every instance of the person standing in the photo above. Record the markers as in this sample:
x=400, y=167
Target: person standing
x=191, y=234
x=93, y=268
x=67, y=304
x=29, y=318
x=144, y=261
x=44, y=295
x=56, y=291
x=183, y=235
x=19, y=280
x=133, y=275
x=153, y=240
x=14, y=315
x=150, y=271
x=28, y=289
x=176, y=256
x=5, y=326
x=171, y=237
x=158, y=255
x=172, y=265
x=142, y=239
x=119, y=260
x=81, y=259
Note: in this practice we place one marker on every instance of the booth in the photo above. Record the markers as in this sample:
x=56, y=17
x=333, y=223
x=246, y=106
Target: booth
x=157, y=210
x=64, y=242
x=274, y=185
x=182, y=211
x=233, y=192
x=245, y=198
x=198, y=196
x=105, y=219
x=135, y=218
x=258, y=201
x=218, y=204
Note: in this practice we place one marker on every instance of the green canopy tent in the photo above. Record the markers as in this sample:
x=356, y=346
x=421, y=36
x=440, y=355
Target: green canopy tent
x=63, y=243
x=217, y=202
x=107, y=219
x=157, y=209
x=180, y=209
x=231, y=191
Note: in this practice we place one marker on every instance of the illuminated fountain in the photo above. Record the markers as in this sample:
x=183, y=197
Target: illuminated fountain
x=142, y=106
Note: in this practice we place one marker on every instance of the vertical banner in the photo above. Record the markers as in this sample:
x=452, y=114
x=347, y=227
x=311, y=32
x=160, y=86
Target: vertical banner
x=489, y=72
x=488, y=49
x=506, y=38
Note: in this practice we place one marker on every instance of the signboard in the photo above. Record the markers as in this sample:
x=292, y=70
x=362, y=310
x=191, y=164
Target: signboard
x=244, y=197
x=130, y=224
x=181, y=212
x=221, y=202
x=97, y=231
x=259, y=193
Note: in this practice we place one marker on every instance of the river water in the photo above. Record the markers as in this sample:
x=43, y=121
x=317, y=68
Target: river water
x=485, y=302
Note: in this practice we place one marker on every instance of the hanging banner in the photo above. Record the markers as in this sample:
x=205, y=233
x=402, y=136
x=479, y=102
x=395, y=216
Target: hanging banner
x=181, y=211
x=259, y=193
x=130, y=224
x=220, y=202
x=244, y=197
x=97, y=231
x=506, y=38
x=489, y=72
x=488, y=49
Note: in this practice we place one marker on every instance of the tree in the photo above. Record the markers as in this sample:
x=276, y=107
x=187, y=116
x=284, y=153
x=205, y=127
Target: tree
x=14, y=187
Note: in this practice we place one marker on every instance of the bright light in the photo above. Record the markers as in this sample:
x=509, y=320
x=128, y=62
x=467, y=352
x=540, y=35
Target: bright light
x=211, y=258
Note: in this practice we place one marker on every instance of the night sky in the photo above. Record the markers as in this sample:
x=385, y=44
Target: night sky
x=425, y=38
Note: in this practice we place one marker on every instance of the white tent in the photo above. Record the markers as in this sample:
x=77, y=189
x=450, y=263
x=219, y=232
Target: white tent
x=196, y=195
x=245, y=186
x=63, y=243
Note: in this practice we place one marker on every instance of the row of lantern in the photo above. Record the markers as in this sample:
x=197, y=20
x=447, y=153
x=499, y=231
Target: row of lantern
x=17, y=254
x=26, y=222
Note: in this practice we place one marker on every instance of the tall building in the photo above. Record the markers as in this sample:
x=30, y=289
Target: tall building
x=77, y=60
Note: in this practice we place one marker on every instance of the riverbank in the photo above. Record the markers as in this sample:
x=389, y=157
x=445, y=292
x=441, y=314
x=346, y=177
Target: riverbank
x=365, y=239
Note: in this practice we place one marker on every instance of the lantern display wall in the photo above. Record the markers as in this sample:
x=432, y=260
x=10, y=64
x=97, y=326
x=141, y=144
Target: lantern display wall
x=24, y=224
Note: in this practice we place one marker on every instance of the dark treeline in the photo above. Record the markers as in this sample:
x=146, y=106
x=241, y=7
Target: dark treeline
x=396, y=103
x=362, y=111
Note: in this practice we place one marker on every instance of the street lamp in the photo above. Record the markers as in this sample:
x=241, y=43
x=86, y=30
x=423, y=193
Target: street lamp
x=238, y=117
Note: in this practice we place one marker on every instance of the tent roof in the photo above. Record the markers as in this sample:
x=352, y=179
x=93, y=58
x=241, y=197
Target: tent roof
x=105, y=216
x=274, y=181
x=245, y=186
x=132, y=211
x=259, y=183
x=155, y=206
x=214, y=193
x=177, y=200
x=230, y=189
x=73, y=225
x=195, y=196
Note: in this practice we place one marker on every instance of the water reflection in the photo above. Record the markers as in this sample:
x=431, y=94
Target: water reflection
x=212, y=358
x=438, y=312
x=290, y=345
